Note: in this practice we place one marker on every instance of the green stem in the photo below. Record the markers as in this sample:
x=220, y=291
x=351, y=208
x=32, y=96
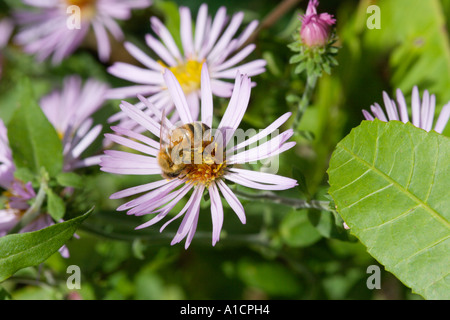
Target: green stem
x=290, y=202
x=306, y=98
x=155, y=239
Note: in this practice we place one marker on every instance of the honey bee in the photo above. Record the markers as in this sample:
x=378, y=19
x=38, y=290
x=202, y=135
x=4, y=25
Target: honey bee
x=180, y=148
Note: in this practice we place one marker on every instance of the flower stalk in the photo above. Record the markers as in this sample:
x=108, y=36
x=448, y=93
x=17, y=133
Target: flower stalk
x=290, y=202
x=305, y=100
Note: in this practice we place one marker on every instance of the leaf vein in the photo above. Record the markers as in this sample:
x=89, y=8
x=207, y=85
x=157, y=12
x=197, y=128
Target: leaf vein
x=422, y=250
x=393, y=219
x=407, y=192
x=369, y=195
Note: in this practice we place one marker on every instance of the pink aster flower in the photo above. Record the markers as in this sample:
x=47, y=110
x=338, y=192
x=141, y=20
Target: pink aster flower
x=315, y=30
x=59, y=27
x=70, y=110
x=422, y=111
x=18, y=195
x=205, y=175
x=214, y=41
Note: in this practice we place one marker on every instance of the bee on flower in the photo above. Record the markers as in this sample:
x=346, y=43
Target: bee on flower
x=192, y=157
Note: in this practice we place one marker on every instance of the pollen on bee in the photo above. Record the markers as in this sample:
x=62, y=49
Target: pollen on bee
x=192, y=154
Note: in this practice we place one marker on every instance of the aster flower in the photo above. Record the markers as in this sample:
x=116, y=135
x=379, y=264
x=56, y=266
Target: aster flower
x=49, y=30
x=208, y=174
x=69, y=111
x=315, y=30
x=18, y=194
x=422, y=111
x=213, y=42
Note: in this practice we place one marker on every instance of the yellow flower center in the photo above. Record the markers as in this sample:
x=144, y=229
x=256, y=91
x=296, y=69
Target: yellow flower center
x=188, y=74
x=87, y=7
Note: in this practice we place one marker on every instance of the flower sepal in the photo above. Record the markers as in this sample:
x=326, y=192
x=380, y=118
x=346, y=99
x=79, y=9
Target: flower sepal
x=314, y=61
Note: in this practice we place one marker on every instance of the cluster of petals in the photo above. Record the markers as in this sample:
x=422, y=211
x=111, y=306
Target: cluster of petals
x=48, y=31
x=315, y=30
x=423, y=112
x=70, y=110
x=213, y=42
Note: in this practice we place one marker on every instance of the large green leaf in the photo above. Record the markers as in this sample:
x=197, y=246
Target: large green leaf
x=33, y=139
x=391, y=183
x=18, y=251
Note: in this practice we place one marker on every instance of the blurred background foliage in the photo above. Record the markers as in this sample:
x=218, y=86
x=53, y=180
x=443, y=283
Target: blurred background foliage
x=280, y=253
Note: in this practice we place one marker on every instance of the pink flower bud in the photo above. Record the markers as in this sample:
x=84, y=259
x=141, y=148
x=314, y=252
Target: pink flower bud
x=315, y=30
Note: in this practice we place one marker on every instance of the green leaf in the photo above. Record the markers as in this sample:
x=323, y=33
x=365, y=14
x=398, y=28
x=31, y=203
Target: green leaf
x=275, y=279
x=55, y=205
x=302, y=185
x=390, y=182
x=297, y=58
x=70, y=179
x=18, y=251
x=421, y=50
x=329, y=224
x=25, y=175
x=297, y=231
x=33, y=140
x=300, y=68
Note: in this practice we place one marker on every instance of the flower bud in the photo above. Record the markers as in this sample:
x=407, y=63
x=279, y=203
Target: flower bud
x=315, y=30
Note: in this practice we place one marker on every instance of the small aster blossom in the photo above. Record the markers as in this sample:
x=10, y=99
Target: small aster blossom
x=56, y=30
x=206, y=175
x=70, y=110
x=315, y=30
x=422, y=111
x=214, y=41
x=18, y=195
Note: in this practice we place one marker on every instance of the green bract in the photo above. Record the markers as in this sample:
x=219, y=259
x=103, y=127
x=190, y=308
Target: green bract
x=390, y=182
